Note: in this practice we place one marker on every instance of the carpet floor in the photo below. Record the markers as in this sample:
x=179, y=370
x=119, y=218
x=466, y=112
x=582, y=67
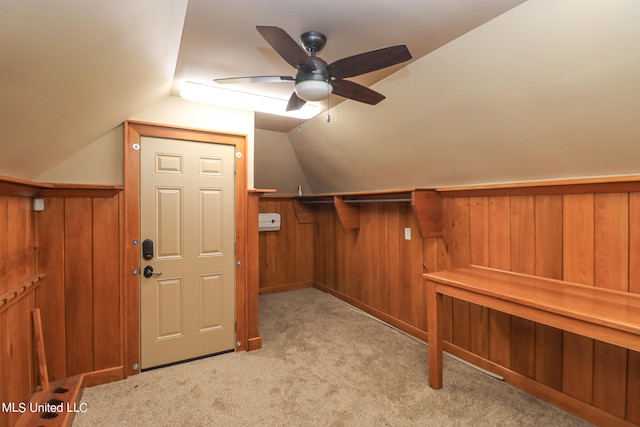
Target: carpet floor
x=323, y=363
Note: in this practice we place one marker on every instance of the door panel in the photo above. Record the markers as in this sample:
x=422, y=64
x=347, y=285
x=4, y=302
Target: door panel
x=169, y=225
x=211, y=222
x=187, y=198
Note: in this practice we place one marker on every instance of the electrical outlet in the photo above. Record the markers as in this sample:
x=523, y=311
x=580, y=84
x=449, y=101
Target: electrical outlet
x=407, y=234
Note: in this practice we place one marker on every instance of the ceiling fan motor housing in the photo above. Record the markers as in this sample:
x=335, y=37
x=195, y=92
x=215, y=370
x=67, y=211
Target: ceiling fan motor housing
x=313, y=41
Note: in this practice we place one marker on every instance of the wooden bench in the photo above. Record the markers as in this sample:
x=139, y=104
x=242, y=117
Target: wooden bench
x=603, y=314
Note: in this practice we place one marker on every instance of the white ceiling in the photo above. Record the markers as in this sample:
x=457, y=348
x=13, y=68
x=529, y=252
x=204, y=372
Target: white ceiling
x=558, y=79
x=220, y=39
x=72, y=70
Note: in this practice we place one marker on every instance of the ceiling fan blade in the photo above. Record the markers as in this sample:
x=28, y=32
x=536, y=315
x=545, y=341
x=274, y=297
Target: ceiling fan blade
x=295, y=103
x=357, y=92
x=287, y=48
x=369, y=61
x=255, y=79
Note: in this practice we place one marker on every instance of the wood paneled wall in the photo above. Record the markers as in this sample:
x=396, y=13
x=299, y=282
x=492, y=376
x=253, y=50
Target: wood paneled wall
x=590, y=237
x=374, y=267
x=17, y=263
x=79, y=243
x=75, y=242
x=286, y=256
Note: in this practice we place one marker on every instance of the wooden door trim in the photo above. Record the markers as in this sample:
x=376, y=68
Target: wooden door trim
x=134, y=131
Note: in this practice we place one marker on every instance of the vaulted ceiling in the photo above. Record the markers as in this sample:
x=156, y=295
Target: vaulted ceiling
x=73, y=70
x=498, y=90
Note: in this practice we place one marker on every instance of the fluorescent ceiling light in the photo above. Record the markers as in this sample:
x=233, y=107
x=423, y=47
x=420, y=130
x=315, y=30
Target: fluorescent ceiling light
x=215, y=95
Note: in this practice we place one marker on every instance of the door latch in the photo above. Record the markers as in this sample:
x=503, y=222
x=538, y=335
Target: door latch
x=148, y=272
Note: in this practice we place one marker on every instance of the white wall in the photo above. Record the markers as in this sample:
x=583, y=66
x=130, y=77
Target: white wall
x=276, y=165
x=101, y=162
x=548, y=90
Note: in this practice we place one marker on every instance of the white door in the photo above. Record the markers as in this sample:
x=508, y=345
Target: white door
x=187, y=225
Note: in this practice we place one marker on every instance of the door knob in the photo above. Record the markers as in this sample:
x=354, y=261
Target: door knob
x=148, y=272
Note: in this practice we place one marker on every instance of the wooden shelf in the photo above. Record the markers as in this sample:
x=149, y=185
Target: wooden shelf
x=20, y=187
x=426, y=205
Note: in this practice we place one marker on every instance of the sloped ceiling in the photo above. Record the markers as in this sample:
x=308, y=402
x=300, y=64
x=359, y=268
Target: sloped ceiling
x=220, y=40
x=499, y=90
x=549, y=90
x=70, y=71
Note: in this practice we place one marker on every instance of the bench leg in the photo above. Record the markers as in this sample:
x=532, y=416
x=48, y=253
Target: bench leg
x=434, y=339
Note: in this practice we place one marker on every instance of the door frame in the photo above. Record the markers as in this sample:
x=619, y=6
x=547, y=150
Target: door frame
x=134, y=131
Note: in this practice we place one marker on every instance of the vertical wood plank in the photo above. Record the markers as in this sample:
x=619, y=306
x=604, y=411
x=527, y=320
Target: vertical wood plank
x=611, y=271
x=523, y=261
x=303, y=249
x=290, y=268
x=579, y=253
x=4, y=247
x=106, y=283
x=20, y=240
x=500, y=257
x=50, y=296
x=633, y=388
x=78, y=285
x=523, y=234
x=612, y=241
x=5, y=418
x=267, y=250
x=548, y=261
x=633, y=374
x=459, y=239
x=415, y=267
x=610, y=378
x=396, y=255
x=5, y=395
x=479, y=247
x=20, y=351
x=456, y=314
x=634, y=243
x=386, y=234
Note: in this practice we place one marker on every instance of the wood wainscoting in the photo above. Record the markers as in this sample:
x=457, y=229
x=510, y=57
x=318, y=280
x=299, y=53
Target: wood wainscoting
x=73, y=244
x=585, y=231
x=286, y=256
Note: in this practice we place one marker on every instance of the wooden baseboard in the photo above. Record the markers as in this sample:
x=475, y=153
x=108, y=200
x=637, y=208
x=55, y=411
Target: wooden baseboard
x=396, y=323
x=284, y=288
x=557, y=398
x=255, y=344
x=103, y=376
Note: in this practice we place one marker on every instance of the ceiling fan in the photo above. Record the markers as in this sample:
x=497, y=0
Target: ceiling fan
x=316, y=79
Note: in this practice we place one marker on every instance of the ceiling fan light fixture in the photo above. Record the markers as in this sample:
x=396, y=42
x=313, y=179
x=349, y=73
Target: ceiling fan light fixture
x=313, y=90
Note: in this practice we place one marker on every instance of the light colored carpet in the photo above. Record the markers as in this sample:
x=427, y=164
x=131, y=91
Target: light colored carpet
x=322, y=364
